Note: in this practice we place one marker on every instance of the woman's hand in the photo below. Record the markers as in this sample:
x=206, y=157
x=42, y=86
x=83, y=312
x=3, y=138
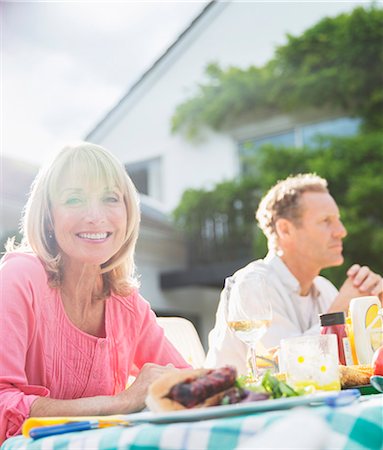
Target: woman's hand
x=133, y=398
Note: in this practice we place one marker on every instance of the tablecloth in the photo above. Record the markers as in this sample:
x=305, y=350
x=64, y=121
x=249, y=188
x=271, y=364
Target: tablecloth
x=355, y=427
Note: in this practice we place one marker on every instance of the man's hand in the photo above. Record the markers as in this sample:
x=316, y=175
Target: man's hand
x=360, y=281
x=365, y=280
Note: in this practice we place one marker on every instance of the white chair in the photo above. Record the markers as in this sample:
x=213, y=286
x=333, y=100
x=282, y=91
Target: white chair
x=183, y=335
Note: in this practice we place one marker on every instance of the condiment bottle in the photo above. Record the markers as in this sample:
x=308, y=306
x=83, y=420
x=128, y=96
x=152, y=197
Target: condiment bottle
x=367, y=325
x=350, y=334
x=334, y=323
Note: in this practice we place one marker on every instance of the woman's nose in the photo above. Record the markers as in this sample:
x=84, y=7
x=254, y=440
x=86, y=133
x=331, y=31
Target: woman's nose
x=95, y=212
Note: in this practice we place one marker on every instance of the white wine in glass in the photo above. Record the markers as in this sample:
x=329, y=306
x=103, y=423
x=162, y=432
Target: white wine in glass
x=249, y=331
x=249, y=312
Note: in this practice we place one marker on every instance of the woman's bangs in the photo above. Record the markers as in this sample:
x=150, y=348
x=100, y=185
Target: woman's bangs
x=89, y=168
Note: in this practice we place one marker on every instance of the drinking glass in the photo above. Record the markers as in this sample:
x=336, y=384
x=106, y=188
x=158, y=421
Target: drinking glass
x=248, y=312
x=311, y=362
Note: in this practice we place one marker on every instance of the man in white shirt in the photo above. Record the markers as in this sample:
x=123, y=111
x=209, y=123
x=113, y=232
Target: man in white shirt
x=302, y=224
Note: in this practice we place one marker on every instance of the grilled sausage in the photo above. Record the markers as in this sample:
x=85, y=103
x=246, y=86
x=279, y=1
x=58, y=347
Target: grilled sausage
x=193, y=391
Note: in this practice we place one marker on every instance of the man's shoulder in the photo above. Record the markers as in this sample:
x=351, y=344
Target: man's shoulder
x=258, y=266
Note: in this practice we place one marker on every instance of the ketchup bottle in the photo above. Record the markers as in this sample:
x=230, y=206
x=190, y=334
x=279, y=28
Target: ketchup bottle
x=334, y=323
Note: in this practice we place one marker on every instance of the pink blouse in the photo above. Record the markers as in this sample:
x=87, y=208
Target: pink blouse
x=44, y=354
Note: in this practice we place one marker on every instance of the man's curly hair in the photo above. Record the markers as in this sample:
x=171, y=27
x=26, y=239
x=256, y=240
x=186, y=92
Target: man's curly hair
x=283, y=201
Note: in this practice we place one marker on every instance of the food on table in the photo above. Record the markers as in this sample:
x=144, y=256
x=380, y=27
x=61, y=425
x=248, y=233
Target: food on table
x=357, y=375
x=273, y=385
x=377, y=362
x=281, y=376
x=194, y=390
x=184, y=389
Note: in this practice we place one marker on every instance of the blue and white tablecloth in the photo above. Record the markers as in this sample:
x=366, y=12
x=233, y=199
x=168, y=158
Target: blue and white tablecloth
x=354, y=427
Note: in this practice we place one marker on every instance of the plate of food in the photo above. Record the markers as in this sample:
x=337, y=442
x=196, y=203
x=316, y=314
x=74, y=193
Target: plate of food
x=202, y=394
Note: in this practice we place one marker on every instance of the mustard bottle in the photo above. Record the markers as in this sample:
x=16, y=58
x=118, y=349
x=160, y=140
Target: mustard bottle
x=367, y=326
x=350, y=334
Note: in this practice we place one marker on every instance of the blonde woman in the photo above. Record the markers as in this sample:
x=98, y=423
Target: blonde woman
x=74, y=323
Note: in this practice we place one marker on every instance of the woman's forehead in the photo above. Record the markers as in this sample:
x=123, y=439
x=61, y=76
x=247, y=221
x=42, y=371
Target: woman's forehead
x=80, y=179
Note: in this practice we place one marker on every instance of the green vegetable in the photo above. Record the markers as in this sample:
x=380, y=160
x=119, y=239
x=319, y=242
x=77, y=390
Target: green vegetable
x=269, y=384
x=277, y=388
x=225, y=400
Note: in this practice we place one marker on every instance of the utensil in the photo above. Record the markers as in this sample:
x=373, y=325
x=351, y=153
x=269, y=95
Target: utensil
x=76, y=425
x=342, y=398
x=52, y=430
x=248, y=312
x=377, y=382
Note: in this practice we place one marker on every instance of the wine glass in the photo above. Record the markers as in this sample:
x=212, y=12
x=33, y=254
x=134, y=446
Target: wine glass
x=248, y=312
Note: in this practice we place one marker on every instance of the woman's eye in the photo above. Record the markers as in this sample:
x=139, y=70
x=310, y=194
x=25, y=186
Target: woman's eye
x=112, y=198
x=73, y=201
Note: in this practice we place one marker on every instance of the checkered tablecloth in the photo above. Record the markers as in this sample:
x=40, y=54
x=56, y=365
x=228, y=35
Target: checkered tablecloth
x=354, y=427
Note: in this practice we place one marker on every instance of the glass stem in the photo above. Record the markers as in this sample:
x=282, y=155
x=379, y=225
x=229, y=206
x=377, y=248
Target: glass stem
x=254, y=368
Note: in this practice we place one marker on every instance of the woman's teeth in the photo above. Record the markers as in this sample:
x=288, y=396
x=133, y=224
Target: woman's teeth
x=95, y=236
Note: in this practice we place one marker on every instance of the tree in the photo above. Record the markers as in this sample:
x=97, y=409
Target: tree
x=336, y=64
x=352, y=167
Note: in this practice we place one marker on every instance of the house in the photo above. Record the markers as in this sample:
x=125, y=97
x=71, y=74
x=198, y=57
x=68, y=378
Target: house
x=163, y=165
x=138, y=128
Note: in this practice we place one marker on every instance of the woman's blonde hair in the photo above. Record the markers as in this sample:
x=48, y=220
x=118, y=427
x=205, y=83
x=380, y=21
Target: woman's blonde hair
x=99, y=167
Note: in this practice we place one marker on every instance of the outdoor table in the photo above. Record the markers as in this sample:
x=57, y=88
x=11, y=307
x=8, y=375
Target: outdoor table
x=356, y=426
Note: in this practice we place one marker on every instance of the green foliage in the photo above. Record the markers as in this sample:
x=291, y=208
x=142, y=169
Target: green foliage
x=352, y=167
x=336, y=64
x=219, y=223
x=226, y=95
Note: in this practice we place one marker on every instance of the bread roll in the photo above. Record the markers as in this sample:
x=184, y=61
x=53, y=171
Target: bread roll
x=354, y=375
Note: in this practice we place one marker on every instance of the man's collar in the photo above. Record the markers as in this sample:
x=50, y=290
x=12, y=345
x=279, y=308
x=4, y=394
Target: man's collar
x=284, y=274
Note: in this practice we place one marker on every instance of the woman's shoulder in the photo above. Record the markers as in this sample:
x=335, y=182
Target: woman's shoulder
x=23, y=264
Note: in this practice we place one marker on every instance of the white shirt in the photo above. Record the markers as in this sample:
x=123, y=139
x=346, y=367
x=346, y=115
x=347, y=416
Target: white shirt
x=293, y=315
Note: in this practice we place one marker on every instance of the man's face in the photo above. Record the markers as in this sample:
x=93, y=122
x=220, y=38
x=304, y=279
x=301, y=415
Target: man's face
x=317, y=239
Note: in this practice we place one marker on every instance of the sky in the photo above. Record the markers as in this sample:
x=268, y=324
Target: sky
x=65, y=64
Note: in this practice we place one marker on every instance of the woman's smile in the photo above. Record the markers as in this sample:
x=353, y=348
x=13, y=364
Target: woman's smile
x=94, y=237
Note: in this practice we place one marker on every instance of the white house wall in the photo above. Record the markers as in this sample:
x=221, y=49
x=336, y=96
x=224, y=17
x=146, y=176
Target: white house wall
x=230, y=33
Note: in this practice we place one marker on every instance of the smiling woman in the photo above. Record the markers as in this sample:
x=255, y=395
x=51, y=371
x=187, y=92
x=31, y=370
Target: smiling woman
x=77, y=326
x=69, y=187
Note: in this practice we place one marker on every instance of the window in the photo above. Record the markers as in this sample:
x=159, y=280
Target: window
x=146, y=176
x=139, y=177
x=298, y=136
x=249, y=146
x=344, y=126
